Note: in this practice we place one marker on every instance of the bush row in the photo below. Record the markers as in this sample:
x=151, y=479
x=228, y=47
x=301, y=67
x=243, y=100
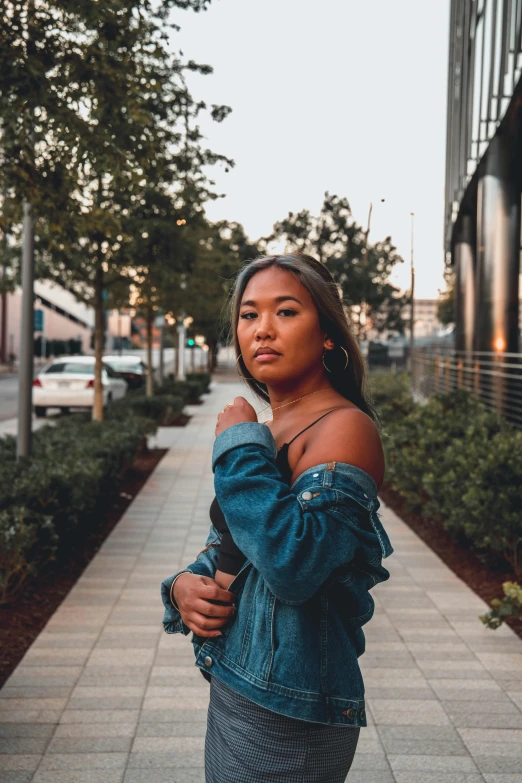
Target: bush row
x=190, y=390
x=73, y=474
x=456, y=465
x=46, y=501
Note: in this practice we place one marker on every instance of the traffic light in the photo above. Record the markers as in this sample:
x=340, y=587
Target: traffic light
x=191, y=343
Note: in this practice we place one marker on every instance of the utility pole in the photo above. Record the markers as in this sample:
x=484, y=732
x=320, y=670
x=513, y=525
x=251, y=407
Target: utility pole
x=412, y=300
x=161, y=352
x=180, y=328
x=25, y=389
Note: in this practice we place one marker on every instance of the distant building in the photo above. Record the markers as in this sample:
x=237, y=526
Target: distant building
x=64, y=317
x=426, y=321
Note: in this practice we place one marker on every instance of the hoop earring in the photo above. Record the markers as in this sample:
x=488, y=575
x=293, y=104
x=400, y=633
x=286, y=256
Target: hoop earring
x=346, y=363
x=242, y=376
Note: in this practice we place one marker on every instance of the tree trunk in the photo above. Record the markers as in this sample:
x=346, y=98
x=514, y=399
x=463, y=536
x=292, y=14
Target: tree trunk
x=150, y=380
x=99, y=329
x=212, y=355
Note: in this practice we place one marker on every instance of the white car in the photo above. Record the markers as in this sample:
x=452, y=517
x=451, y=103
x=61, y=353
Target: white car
x=131, y=368
x=68, y=382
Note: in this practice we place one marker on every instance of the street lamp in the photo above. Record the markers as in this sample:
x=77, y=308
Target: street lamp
x=412, y=306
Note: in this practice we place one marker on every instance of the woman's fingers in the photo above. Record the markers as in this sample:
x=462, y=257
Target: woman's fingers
x=213, y=610
x=203, y=626
x=211, y=591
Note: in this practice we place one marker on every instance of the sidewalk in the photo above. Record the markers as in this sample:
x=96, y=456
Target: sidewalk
x=104, y=696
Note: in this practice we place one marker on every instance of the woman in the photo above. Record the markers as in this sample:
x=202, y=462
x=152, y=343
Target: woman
x=278, y=597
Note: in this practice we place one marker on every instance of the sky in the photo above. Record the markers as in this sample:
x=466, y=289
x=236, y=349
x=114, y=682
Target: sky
x=345, y=96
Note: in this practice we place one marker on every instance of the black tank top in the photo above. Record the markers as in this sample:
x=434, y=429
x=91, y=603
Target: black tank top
x=231, y=558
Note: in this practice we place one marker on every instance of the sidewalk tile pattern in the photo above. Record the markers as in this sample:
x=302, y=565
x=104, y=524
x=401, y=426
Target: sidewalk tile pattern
x=104, y=696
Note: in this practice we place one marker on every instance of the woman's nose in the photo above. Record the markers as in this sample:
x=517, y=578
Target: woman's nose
x=265, y=327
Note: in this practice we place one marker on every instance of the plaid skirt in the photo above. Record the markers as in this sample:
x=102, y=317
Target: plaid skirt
x=246, y=743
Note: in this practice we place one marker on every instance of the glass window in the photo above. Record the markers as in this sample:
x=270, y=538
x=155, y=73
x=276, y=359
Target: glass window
x=72, y=368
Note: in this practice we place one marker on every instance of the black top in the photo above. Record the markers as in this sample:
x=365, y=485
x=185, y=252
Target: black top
x=231, y=558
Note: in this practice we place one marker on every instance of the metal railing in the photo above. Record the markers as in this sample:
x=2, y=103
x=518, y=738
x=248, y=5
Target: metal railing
x=493, y=378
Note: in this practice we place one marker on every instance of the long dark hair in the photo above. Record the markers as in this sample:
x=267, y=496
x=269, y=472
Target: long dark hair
x=316, y=278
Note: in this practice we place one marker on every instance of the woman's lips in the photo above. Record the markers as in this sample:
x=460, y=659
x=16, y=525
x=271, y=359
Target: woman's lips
x=266, y=357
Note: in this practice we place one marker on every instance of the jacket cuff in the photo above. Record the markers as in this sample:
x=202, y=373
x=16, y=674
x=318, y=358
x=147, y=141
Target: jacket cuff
x=246, y=432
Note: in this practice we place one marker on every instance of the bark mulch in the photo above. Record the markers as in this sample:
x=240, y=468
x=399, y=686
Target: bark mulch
x=485, y=578
x=22, y=621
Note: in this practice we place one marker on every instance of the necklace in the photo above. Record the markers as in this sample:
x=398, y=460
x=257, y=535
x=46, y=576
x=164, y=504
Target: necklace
x=291, y=401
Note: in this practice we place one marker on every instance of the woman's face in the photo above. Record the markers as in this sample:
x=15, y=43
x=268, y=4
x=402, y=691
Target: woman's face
x=277, y=313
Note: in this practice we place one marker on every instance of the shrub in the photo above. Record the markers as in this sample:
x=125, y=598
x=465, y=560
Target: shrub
x=163, y=409
x=460, y=466
x=60, y=492
x=503, y=608
x=391, y=395
x=190, y=391
x=27, y=542
x=202, y=378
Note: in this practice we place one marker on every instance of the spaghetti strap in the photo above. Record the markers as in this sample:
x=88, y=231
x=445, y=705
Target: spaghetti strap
x=311, y=425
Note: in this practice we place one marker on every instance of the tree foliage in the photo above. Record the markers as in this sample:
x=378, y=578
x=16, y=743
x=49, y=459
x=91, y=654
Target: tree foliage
x=361, y=269
x=96, y=128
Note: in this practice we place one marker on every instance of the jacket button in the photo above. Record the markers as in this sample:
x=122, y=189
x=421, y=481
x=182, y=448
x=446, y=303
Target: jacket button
x=306, y=495
x=363, y=714
x=208, y=661
x=349, y=713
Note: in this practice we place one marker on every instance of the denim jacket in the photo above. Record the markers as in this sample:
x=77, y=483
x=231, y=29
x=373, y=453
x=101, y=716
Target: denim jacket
x=313, y=551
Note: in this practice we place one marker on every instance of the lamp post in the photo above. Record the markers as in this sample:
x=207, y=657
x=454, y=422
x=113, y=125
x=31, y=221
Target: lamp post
x=412, y=300
x=180, y=328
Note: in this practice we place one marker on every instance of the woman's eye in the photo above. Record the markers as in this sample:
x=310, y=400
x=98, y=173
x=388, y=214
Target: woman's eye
x=246, y=316
x=288, y=311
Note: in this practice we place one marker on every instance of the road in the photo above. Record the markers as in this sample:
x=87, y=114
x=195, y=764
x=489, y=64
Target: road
x=8, y=397
x=9, y=386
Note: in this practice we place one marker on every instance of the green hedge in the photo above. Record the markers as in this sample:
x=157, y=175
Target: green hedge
x=456, y=465
x=58, y=494
x=163, y=409
x=189, y=390
x=202, y=378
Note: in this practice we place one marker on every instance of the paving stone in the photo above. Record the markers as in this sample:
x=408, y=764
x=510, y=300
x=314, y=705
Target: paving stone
x=95, y=730
x=43, y=730
x=29, y=745
x=408, y=712
x=83, y=761
x=191, y=759
x=100, y=716
x=401, y=763
x=79, y=776
x=165, y=776
x=89, y=745
x=418, y=776
x=21, y=762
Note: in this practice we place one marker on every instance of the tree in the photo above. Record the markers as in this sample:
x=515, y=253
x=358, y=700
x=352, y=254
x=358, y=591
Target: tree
x=222, y=249
x=361, y=270
x=168, y=220
x=93, y=100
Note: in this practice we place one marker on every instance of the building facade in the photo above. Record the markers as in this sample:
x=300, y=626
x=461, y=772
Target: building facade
x=64, y=318
x=484, y=171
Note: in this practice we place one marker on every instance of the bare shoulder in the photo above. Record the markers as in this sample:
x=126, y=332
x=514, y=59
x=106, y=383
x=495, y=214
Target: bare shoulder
x=346, y=435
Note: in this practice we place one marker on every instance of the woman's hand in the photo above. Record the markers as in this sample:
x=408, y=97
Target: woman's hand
x=237, y=412
x=193, y=594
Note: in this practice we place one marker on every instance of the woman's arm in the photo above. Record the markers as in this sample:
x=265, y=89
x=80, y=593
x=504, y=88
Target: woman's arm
x=294, y=541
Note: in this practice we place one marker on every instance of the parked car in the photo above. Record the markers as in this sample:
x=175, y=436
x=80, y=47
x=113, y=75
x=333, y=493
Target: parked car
x=131, y=368
x=68, y=382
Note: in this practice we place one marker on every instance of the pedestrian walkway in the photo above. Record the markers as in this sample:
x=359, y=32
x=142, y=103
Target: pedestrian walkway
x=105, y=696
